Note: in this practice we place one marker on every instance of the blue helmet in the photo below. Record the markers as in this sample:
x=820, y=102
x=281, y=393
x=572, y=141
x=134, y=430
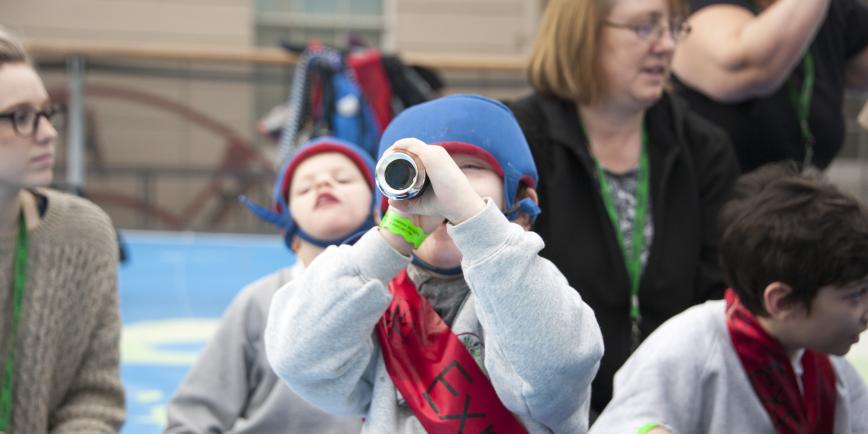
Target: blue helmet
x=476, y=125
x=280, y=214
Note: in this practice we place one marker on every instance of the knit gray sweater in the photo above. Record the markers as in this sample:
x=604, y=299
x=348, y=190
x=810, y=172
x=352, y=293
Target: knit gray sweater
x=66, y=362
x=536, y=339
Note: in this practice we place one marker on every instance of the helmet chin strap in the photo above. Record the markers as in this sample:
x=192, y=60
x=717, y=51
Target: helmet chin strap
x=349, y=238
x=267, y=215
x=285, y=222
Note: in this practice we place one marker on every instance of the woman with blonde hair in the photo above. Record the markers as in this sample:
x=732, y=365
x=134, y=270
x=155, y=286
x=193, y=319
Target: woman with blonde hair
x=60, y=325
x=630, y=180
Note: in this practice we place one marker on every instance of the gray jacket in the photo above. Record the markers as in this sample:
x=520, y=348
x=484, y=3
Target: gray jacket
x=537, y=340
x=688, y=376
x=232, y=389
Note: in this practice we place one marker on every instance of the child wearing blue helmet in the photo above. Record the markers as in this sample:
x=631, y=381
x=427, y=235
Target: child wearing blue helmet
x=322, y=196
x=445, y=318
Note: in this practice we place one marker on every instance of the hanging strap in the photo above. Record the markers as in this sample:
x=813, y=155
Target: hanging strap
x=295, y=104
x=801, y=100
x=17, y=300
x=633, y=257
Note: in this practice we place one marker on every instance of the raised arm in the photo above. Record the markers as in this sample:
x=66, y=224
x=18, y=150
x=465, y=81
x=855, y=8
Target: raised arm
x=319, y=334
x=732, y=55
x=542, y=342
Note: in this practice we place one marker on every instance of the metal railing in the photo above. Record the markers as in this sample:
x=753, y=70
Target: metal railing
x=262, y=67
x=244, y=160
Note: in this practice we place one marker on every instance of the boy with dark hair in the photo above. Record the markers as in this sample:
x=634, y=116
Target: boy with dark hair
x=478, y=333
x=767, y=359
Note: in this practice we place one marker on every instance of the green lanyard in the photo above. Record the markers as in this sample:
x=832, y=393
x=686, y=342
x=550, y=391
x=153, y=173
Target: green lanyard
x=18, y=298
x=802, y=103
x=632, y=258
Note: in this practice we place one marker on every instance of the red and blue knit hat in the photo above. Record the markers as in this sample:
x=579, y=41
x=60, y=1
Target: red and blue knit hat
x=280, y=215
x=475, y=125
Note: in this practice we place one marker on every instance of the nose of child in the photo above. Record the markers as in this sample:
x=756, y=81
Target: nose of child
x=323, y=180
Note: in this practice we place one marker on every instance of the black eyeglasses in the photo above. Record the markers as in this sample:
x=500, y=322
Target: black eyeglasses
x=25, y=121
x=652, y=30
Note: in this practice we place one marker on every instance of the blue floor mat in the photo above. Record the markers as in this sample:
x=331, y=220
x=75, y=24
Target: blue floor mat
x=173, y=290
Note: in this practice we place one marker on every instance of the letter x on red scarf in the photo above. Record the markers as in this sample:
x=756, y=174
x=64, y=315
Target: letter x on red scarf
x=770, y=372
x=434, y=371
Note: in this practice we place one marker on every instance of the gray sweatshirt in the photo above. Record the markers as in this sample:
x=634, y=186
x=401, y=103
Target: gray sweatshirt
x=688, y=376
x=232, y=389
x=536, y=339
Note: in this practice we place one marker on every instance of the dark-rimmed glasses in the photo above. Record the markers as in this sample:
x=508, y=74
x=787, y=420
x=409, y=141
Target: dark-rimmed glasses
x=25, y=121
x=652, y=30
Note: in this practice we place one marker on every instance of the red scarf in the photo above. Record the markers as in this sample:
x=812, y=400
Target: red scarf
x=771, y=373
x=436, y=375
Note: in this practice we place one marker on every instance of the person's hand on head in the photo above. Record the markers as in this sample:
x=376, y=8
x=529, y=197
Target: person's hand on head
x=450, y=195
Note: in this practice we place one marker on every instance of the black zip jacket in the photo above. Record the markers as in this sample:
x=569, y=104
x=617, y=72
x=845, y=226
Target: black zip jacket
x=693, y=169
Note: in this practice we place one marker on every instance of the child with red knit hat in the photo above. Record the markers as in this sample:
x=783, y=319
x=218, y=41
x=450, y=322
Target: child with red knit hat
x=324, y=194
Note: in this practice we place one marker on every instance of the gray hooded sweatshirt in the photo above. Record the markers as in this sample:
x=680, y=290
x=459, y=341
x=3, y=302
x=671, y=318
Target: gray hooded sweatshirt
x=232, y=389
x=536, y=339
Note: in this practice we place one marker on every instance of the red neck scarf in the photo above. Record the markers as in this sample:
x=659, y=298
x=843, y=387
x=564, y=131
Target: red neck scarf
x=771, y=373
x=436, y=375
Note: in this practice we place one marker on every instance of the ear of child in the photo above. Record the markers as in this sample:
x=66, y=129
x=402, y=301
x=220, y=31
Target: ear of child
x=524, y=220
x=450, y=195
x=777, y=303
